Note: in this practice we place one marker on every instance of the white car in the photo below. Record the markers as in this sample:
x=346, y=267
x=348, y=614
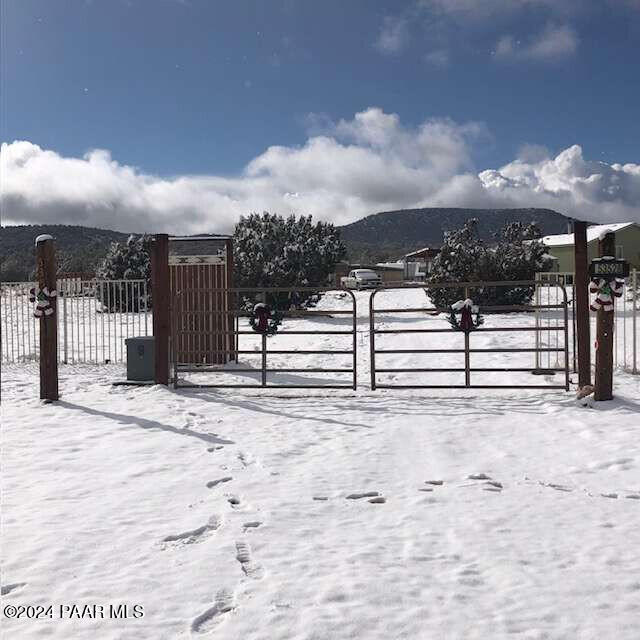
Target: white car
x=361, y=279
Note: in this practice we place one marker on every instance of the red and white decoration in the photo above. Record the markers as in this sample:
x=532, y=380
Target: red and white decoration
x=606, y=292
x=42, y=299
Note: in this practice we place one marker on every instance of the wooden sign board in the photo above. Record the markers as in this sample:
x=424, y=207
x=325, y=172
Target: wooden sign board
x=608, y=268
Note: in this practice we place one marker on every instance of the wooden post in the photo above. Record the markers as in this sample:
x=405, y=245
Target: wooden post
x=161, y=306
x=604, y=334
x=581, y=306
x=46, y=276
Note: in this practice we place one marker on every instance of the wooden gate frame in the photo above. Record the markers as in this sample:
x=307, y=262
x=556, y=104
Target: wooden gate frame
x=467, y=350
x=238, y=312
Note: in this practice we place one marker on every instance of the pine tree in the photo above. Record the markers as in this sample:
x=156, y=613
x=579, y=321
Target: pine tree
x=464, y=257
x=128, y=260
x=272, y=251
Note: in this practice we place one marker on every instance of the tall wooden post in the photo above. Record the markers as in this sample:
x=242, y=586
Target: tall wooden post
x=161, y=306
x=46, y=276
x=581, y=307
x=604, y=334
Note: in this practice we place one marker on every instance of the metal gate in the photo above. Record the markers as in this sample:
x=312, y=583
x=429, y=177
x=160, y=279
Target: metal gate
x=467, y=351
x=224, y=344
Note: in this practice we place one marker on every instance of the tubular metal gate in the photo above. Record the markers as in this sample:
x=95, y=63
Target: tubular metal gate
x=467, y=350
x=185, y=316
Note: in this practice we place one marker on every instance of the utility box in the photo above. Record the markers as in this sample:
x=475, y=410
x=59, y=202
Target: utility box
x=140, y=358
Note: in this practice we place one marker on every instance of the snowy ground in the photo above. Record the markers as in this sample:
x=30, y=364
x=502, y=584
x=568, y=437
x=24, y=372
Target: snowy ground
x=231, y=514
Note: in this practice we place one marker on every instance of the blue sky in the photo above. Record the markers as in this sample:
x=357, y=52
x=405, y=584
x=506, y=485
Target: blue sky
x=173, y=89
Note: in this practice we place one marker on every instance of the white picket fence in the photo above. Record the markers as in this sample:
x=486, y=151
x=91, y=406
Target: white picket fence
x=87, y=331
x=626, y=337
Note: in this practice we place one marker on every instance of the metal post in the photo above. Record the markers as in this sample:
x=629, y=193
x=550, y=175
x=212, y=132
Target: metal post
x=635, y=295
x=355, y=341
x=264, y=359
x=566, y=338
x=467, y=365
x=63, y=293
x=372, y=342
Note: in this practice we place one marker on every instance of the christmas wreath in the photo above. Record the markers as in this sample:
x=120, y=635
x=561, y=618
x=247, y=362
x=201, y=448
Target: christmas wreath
x=466, y=309
x=263, y=319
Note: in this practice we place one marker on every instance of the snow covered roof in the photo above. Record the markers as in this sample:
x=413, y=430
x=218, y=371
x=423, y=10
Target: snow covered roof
x=419, y=251
x=593, y=233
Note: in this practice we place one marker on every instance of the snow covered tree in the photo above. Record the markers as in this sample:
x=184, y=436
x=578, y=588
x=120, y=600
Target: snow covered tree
x=128, y=260
x=273, y=251
x=464, y=257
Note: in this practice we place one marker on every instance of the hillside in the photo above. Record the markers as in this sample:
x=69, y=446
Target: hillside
x=79, y=248
x=380, y=236
x=392, y=233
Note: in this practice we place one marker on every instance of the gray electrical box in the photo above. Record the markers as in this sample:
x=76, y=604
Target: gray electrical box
x=140, y=358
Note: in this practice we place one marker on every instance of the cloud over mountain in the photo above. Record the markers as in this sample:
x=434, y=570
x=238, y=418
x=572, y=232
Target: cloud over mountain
x=342, y=172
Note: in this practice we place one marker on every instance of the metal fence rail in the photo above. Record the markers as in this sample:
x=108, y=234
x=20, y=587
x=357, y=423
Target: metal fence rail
x=94, y=319
x=558, y=349
x=184, y=315
x=626, y=320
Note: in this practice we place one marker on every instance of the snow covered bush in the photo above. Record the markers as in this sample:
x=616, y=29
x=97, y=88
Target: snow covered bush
x=273, y=251
x=516, y=254
x=128, y=260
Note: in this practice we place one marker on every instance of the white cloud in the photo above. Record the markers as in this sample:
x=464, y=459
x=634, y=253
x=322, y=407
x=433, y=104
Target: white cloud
x=594, y=190
x=552, y=43
x=437, y=58
x=393, y=36
x=350, y=169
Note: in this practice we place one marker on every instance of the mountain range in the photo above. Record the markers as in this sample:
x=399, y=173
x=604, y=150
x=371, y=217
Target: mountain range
x=391, y=234
x=381, y=236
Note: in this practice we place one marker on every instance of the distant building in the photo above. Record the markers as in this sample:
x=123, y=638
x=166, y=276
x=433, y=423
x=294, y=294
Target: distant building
x=560, y=247
x=418, y=263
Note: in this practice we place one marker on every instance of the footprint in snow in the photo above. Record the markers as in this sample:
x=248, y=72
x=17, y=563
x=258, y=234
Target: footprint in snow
x=243, y=556
x=557, y=487
x=366, y=494
x=478, y=476
x=8, y=588
x=436, y=483
x=251, y=525
x=633, y=496
x=213, y=483
x=378, y=500
x=193, y=536
x=212, y=449
x=322, y=498
x=223, y=603
x=246, y=459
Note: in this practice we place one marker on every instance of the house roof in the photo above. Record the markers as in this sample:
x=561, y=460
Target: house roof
x=593, y=233
x=419, y=251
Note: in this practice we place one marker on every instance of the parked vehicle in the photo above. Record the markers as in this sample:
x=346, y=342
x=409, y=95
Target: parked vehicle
x=361, y=279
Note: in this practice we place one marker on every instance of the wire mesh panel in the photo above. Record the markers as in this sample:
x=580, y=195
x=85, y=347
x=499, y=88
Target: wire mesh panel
x=95, y=317
x=626, y=338
x=411, y=348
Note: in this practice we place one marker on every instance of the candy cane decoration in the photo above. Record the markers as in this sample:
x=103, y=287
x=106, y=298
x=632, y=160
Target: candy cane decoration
x=606, y=291
x=42, y=299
